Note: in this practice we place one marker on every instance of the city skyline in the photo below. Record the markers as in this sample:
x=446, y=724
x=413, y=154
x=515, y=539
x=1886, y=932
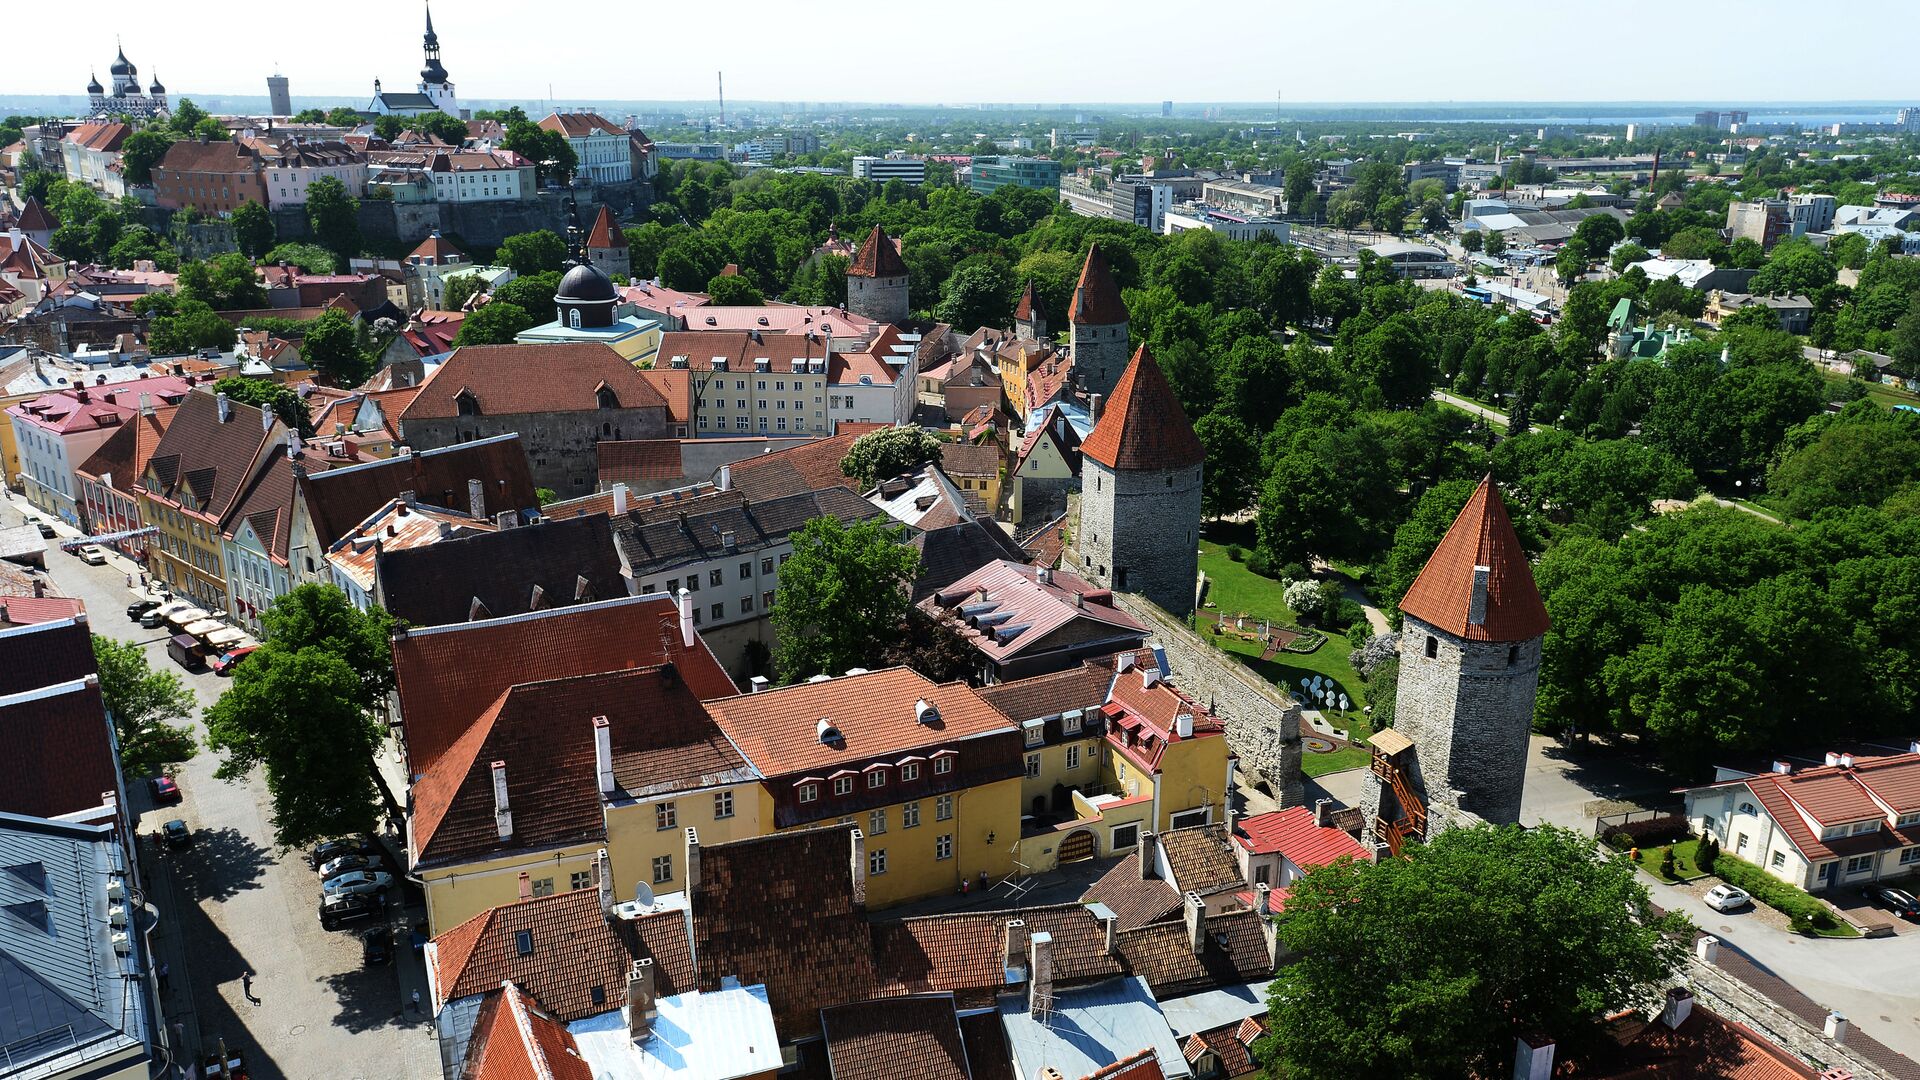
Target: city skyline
x=492, y=53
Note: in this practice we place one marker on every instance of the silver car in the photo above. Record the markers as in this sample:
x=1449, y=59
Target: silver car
x=357, y=882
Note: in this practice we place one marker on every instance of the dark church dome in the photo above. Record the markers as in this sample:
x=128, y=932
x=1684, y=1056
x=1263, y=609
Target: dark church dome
x=586, y=283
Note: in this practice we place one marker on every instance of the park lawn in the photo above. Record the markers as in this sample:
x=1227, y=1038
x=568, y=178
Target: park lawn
x=1879, y=393
x=1684, y=862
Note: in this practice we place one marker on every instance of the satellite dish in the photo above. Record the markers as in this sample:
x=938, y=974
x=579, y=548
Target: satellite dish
x=643, y=894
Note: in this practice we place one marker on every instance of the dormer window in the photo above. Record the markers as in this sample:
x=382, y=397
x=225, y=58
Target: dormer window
x=809, y=793
x=605, y=399
x=1070, y=721
x=1036, y=732
x=877, y=778
x=843, y=785
x=465, y=404
x=943, y=762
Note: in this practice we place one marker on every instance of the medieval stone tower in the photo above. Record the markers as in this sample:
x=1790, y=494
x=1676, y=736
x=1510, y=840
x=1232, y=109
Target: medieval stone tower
x=1139, y=528
x=1469, y=667
x=1097, y=326
x=1029, y=322
x=877, y=280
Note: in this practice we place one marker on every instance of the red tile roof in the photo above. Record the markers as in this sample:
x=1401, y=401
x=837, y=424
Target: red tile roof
x=34, y=217
x=1443, y=593
x=810, y=466
x=1096, y=298
x=606, y=231
x=965, y=952
x=1143, y=426
x=574, y=948
x=1143, y=718
x=1840, y=795
x=32, y=610
x=892, y=1038
x=1291, y=832
x=438, y=248
x=1024, y=310
x=663, y=742
x=675, y=385
x=514, y=1040
x=1134, y=900
x=1200, y=859
x=874, y=714
x=1141, y=1065
x=1233, y=951
x=1706, y=1046
x=59, y=751
x=340, y=499
x=1024, y=612
x=879, y=257
x=579, y=125
x=104, y=136
x=511, y=380
x=635, y=461
x=448, y=676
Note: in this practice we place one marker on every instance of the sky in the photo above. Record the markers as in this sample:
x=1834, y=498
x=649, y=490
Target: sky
x=1015, y=51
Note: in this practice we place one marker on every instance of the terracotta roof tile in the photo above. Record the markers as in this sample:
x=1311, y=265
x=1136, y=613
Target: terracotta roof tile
x=1705, y=1046
x=638, y=461
x=1143, y=426
x=513, y=1039
x=1082, y=687
x=1234, y=951
x=606, y=231
x=1096, y=298
x=1134, y=900
x=1235, y=1057
x=891, y=1038
x=1200, y=859
x=447, y=676
x=579, y=125
x=1443, y=593
x=1028, y=302
x=675, y=387
x=32, y=610
x=1140, y=1065
x=964, y=952
x=752, y=899
x=879, y=256
x=549, y=564
x=438, y=248
x=573, y=948
x=513, y=380
x=34, y=217
x=1292, y=833
x=340, y=499
x=1026, y=612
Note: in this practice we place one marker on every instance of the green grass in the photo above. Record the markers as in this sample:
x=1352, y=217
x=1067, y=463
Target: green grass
x=1879, y=393
x=1684, y=863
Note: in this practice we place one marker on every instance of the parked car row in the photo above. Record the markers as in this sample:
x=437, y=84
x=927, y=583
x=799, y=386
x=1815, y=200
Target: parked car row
x=198, y=639
x=353, y=885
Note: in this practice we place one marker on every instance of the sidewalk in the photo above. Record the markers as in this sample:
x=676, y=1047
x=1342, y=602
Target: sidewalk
x=170, y=954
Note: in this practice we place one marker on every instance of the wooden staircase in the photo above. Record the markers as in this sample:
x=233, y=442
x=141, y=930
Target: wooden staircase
x=1411, y=824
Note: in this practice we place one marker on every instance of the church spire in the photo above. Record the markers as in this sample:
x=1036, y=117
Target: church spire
x=433, y=73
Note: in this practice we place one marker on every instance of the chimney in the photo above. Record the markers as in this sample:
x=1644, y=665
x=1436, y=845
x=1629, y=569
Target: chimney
x=1044, y=576
x=1146, y=854
x=1833, y=759
x=293, y=442
x=1846, y=761
x=1679, y=1006
x=1183, y=721
x=266, y=419
x=224, y=407
x=1533, y=1058
x=502, y=815
x=1477, y=604
x=1263, y=899
x=506, y=519
x=603, y=753
x=1783, y=768
x=1233, y=818
x=726, y=478
x=1040, y=973
x=1110, y=927
x=39, y=589
x=1124, y=663
x=146, y=404
x=476, y=498
x=640, y=1002
x=620, y=500
x=603, y=880
x=859, y=868
x=686, y=617
x=1196, y=922
x=1013, y=955
x=693, y=859
x=1094, y=401
x=1836, y=1028
x=526, y=885
x=1707, y=949
x=758, y=683
x=409, y=498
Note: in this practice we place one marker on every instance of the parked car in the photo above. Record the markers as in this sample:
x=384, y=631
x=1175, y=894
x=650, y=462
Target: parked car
x=338, y=911
x=358, y=881
x=333, y=868
x=186, y=650
x=177, y=834
x=1899, y=901
x=46, y=530
x=142, y=606
x=164, y=790
x=332, y=849
x=227, y=661
x=1727, y=898
x=93, y=555
x=155, y=618
x=376, y=945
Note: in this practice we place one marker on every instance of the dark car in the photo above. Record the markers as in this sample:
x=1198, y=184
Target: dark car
x=333, y=849
x=177, y=834
x=164, y=790
x=338, y=911
x=376, y=945
x=46, y=530
x=142, y=606
x=1898, y=901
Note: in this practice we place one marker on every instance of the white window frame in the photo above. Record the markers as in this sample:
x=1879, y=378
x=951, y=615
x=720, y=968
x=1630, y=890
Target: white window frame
x=943, y=847
x=722, y=805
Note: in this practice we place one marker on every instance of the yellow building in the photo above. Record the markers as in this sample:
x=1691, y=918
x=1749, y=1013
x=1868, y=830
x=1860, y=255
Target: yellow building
x=931, y=774
x=1110, y=755
x=1046, y=467
x=199, y=466
x=555, y=771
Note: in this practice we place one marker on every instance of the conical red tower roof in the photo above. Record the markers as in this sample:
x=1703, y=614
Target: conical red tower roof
x=34, y=217
x=606, y=232
x=1028, y=302
x=1443, y=593
x=1143, y=426
x=1096, y=299
x=878, y=257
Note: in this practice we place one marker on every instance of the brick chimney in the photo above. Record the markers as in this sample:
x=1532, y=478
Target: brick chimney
x=1013, y=956
x=603, y=880
x=1323, y=813
x=502, y=813
x=1040, y=973
x=693, y=859
x=1146, y=854
x=526, y=885
x=1196, y=922
x=640, y=1009
x=603, y=753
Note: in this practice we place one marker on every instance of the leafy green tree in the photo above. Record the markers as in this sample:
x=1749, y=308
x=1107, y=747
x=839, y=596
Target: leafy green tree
x=1626, y=255
x=143, y=704
x=1485, y=935
x=843, y=597
x=888, y=452
x=1496, y=242
x=389, y=127
x=552, y=156
x=1697, y=242
x=211, y=130
x=189, y=326
x=532, y=252
x=1744, y=253
x=252, y=229
x=1571, y=262
x=458, y=289
x=138, y=242
x=331, y=350
x=1795, y=267
x=309, y=116
x=186, y=116
x=533, y=294
x=334, y=217
x=447, y=128
x=311, y=258
x=1302, y=509
x=1599, y=233
x=342, y=116
x=980, y=293
x=142, y=150
x=732, y=289
x=1390, y=366
x=1858, y=458
x=266, y=393
x=494, y=323
x=1232, y=474
x=1417, y=536
x=820, y=281
x=1473, y=240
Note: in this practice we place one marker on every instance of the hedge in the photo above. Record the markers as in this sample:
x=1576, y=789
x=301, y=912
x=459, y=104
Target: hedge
x=1789, y=900
x=1649, y=833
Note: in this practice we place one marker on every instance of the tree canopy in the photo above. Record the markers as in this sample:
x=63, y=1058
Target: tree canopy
x=843, y=597
x=143, y=704
x=888, y=452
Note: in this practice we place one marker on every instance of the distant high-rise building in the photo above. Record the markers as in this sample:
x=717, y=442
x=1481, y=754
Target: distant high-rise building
x=280, y=102
x=1166, y=108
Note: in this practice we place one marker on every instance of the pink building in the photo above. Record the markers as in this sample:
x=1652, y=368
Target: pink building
x=57, y=432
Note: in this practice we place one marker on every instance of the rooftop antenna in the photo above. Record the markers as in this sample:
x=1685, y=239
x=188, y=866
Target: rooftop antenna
x=720, y=79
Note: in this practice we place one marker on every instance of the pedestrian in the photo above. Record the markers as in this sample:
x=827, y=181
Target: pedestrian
x=416, y=1001
x=246, y=987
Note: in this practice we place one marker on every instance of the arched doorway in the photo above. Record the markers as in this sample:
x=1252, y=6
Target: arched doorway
x=1078, y=846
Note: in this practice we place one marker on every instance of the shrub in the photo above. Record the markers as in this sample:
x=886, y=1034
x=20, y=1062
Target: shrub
x=1802, y=923
x=1292, y=572
x=1766, y=889
x=1653, y=831
x=1619, y=841
x=1668, y=868
x=1707, y=853
x=1258, y=563
x=1350, y=614
x=1236, y=553
x=1357, y=636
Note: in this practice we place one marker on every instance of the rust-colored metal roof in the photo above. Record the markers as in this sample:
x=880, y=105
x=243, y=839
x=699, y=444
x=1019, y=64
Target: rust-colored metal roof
x=606, y=232
x=1143, y=426
x=1027, y=303
x=1096, y=299
x=1481, y=536
x=878, y=257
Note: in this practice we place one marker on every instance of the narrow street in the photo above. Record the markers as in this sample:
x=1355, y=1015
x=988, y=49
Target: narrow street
x=231, y=903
